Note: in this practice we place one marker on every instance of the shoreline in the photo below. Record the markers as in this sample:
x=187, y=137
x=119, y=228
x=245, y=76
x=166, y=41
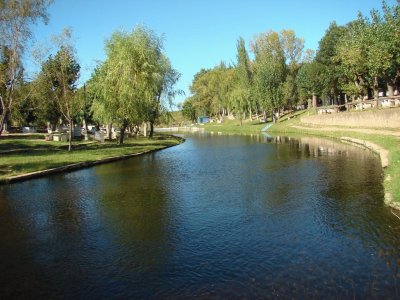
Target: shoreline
x=80, y=165
x=366, y=140
x=383, y=142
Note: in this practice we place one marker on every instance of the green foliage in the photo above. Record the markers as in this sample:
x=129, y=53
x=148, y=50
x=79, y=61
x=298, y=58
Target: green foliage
x=136, y=82
x=351, y=60
x=327, y=58
x=368, y=51
x=241, y=96
x=188, y=110
x=309, y=80
x=211, y=89
x=60, y=73
x=270, y=70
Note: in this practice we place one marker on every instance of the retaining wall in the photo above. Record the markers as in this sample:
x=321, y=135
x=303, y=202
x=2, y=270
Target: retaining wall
x=384, y=118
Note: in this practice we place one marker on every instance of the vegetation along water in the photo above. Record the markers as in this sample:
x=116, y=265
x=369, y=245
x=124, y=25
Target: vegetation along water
x=266, y=194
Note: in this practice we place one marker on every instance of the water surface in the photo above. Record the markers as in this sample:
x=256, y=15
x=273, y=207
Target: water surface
x=218, y=216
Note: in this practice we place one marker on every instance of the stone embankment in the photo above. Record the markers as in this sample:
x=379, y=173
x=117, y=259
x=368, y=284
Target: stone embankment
x=383, y=119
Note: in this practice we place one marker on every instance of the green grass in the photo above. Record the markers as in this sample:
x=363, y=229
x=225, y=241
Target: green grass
x=233, y=126
x=24, y=155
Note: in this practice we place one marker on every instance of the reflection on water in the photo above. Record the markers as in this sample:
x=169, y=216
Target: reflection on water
x=218, y=216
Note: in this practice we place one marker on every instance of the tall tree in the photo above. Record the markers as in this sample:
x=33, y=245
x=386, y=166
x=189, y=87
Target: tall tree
x=351, y=54
x=326, y=57
x=188, y=111
x=383, y=56
x=293, y=48
x=16, y=17
x=244, y=82
x=61, y=72
x=310, y=81
x=136, y=80
x=270, y=71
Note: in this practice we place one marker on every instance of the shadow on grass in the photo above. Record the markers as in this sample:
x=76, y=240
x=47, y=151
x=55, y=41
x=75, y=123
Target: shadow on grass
x=17, y=136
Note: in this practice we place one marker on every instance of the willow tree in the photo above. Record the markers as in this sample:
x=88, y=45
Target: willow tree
x=135, y=81
x=16, y=18
x=161, y=98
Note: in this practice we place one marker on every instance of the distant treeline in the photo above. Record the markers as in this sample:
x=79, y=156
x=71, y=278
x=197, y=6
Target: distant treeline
x=358, y=60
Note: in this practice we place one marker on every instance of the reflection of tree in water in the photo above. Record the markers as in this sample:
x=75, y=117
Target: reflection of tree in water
x=135, y=206
x=355, y=219
x=46, y=229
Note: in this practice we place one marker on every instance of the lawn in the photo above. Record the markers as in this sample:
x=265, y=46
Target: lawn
x=24, y=154
x=233, y=126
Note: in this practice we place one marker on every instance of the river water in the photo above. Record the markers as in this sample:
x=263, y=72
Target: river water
x=219, y=216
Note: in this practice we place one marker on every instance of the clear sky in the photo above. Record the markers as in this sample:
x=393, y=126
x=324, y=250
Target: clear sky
x=197, y=33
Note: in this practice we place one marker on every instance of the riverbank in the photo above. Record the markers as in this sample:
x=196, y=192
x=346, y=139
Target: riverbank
x=383, y=141
x=24, y=157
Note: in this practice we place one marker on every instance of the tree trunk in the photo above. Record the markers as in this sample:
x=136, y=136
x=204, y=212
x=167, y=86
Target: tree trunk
x=144, y=129
x=3, y=120
x=390, y=87
x=151, y=130
x=109, y=131
x=71, y=128
x=122, y=134
x=314, y=101
x=376, y=88
x=6, y=107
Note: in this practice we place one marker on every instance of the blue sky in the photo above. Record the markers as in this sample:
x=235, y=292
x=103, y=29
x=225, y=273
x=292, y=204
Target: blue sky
x=197, y=33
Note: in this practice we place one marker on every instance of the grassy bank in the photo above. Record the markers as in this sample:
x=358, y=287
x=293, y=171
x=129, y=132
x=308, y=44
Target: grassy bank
x=233, y=126
x=21, y=154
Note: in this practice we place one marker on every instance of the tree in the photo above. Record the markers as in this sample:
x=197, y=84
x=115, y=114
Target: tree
x=16, y=17
x=244, y=79
x=326, y=57
x=351, y=54
x=309, y=81
x=293, y=48
x=163, y=91
x=270, y=71
x=45, y=102
x=211, y=89
x=61, y=73
x=135, y=82
x=382, y=54
x=188, y=111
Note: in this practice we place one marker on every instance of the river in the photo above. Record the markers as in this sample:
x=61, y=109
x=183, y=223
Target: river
x=219, y=216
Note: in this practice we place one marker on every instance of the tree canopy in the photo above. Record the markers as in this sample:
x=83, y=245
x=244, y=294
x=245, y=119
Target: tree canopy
x=353, y=61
